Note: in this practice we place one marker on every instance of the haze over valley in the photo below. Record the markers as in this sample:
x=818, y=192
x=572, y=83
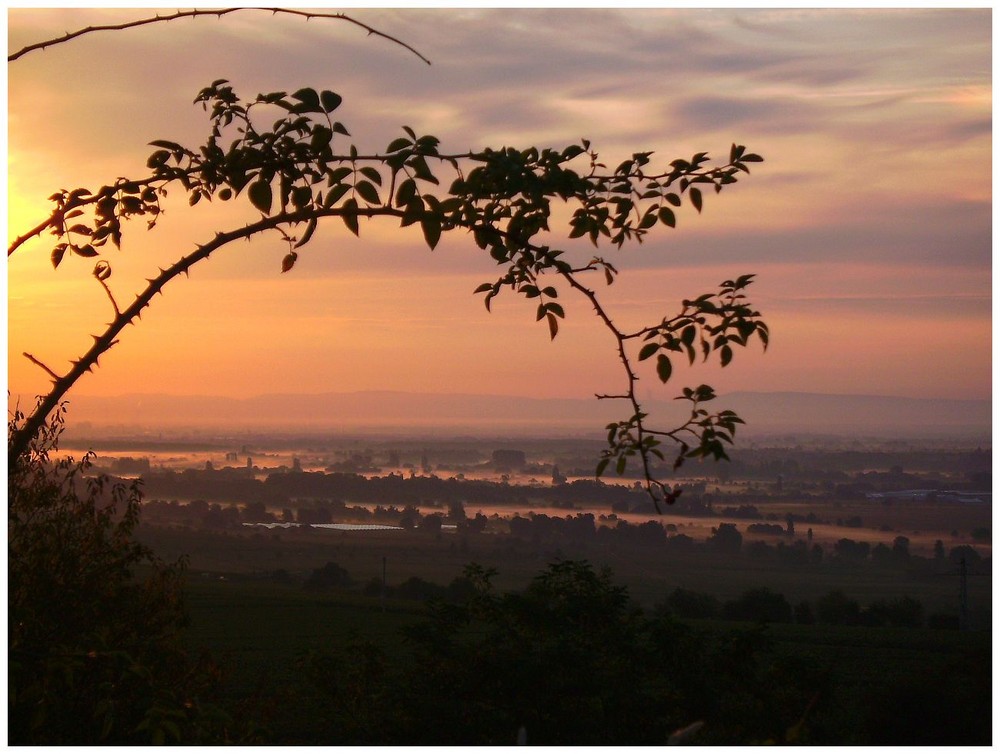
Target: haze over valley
x=443, y=414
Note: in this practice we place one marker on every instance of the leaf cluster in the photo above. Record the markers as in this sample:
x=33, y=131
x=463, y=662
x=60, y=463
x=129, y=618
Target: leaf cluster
x=294, y=171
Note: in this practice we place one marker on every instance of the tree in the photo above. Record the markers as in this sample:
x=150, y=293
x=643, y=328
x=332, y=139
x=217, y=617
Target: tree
x=571, y=660
x=296, y=174
x=330, y=576
x=726, y=538
x=93, y=615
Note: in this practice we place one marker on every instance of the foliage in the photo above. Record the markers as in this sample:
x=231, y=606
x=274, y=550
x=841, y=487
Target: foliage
x=93, y=616
x=330, y=576
x=570, y=660
x=295, y=174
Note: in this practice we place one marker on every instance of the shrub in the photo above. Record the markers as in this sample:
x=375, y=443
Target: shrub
x=93, y=616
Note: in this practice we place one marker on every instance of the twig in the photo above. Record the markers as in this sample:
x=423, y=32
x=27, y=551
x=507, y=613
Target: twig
x=199, y=12
x=36, y=362
x=18, y=440
x=107, y=290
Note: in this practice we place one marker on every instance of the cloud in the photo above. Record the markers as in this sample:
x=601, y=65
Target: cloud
x=875, y=125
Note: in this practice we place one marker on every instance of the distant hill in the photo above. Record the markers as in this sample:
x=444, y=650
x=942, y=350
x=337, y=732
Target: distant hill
x=765, y=413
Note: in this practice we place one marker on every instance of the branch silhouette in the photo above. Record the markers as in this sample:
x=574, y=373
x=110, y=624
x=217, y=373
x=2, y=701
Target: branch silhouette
x=196, y=13
x=503, y=198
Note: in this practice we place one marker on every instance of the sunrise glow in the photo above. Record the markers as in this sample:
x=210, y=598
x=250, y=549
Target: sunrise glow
x=868, y=225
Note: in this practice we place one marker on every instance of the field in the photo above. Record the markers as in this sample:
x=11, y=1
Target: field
x=250, y=609
x=260, y=633
x=649, y=573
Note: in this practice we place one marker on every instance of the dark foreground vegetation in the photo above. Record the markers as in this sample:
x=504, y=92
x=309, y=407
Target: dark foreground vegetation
x=546, y=629
x=572, y=659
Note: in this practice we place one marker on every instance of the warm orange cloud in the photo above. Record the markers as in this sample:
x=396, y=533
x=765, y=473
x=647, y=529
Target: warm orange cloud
x=869, y=224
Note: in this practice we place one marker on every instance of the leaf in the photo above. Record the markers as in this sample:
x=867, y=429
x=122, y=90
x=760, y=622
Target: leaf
x=553, y=325
x=372, y=174
x=431, y=225
x=335, y=194
x=336, y=176
x=301, y=196
x=309, y=98
x=648, y=220
x=367, y=192
x=84, y=251
x=260, y=195
x=696, y=198
x=406, y=191
x=289, y=261
x=396, y=144
x=648, y=350
x=170, y=145
x=321, y=138
x=414, y=211
x=330, y=100
x=663, y=367
x=57, y=255
x=310, y=229
x=601, y=466
x=667, y=217
x=350, y=215
x=726, y=354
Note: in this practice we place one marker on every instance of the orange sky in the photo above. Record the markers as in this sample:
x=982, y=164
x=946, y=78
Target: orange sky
x=868, y=226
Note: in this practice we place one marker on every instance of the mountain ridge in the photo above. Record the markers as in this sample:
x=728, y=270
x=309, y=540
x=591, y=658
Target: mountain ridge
x=765, y=412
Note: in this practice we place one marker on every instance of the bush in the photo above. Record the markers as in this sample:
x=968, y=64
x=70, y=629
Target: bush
x=570, y=660
x=330, y=576
x=93, y=616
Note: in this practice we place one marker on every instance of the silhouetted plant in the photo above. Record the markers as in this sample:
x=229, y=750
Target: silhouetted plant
x=93, y=616
x=330, y=576
x=295, y=174
x=572, y=661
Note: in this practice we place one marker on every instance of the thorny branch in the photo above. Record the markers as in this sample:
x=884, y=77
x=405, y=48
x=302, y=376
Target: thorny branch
x=292, y=175
x=308, y=15
x=106, y=340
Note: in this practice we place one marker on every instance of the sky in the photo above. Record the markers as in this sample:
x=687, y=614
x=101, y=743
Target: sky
x=868, y=226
